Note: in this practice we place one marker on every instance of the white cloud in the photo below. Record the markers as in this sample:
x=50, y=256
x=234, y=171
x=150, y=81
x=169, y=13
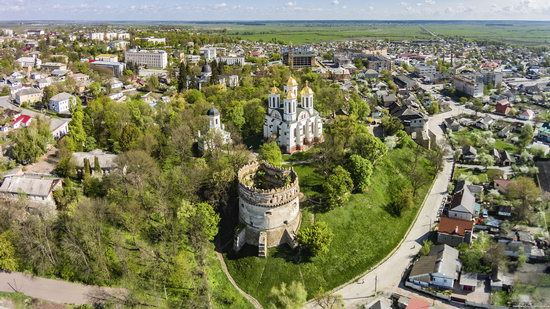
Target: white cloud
x=429, y=2
x=335, y=2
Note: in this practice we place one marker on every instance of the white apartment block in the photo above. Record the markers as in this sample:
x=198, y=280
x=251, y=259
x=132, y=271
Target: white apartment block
x=7, y=32
x=123, y=36
x=153, y=40
x=97, y=36
x=32, y=62
x=426, y=70
x=469, y=84
x=153, y=59
x=231, y=60
x=209, y=53
x=111, y=36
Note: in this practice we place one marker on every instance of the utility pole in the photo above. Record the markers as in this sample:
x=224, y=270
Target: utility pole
x=375, y=284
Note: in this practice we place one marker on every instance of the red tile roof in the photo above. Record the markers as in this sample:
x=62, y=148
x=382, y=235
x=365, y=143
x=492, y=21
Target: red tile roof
x=454, y=226
x=24, y=119
x=417, y=303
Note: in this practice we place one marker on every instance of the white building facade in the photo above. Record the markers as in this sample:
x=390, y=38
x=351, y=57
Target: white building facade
x=154, y=59
x=295, y=126
x=61, y=103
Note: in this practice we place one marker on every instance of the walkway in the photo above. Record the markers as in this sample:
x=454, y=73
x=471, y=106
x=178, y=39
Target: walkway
x=250, y=299
x=57, y=291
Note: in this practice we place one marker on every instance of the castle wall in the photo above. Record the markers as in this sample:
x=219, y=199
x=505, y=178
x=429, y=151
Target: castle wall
x=274, y=210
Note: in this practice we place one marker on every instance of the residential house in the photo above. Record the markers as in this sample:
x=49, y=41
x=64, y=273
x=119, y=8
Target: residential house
x=452, y=124
x=544, y=132
x=28, y=95
x=502, y=157
x=502, y=185
x=61, y=103
x=21, y=121
x=503, y=107
x=505, y=132
x=439, y=269
x=453, y=232
x=468, y=282
x=527, y=114
x=412, y=118
x=463, y=205
x=37, y=188
x=485, y=123
x=469, y=154
x=106, y=161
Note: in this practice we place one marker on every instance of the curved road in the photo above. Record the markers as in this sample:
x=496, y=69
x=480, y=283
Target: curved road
x=388, y=274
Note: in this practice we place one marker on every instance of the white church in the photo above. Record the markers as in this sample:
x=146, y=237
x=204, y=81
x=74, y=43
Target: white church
x=295, y=126
x=216, y=134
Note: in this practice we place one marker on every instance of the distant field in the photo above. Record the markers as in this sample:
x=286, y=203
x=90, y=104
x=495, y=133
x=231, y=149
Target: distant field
x=304, y=33
x=310, y=32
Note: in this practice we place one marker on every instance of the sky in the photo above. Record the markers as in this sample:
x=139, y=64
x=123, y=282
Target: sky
x=210, y=10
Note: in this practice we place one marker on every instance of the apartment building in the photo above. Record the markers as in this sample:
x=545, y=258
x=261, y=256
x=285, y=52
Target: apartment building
x=470, y=84
x=152, y=59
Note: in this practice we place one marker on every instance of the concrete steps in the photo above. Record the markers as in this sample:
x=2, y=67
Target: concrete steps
x=262, y=244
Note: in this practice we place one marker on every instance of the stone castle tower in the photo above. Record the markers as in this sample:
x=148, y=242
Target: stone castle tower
x=269, y=208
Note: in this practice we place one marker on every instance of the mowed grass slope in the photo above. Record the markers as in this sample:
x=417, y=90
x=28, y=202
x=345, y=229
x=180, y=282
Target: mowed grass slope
x=364, y=233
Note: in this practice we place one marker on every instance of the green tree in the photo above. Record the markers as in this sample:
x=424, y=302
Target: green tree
x=391, y=125
x=234, y=112
x=271, y=153
x=95, y=89
x=315, y=239
x=203, y=224
x=29, y=143
x=486, y=160
x=360, y=170
x=76, y=138
x=254, y=114
x=526, y=136
x=182, y=78
x=426, y=247
x=368, y=146
x=337, y=187
x=401, y=196
x=525, y=192
x=97, y=167
x=87, y=171
x=293, y=296
x=8, y=259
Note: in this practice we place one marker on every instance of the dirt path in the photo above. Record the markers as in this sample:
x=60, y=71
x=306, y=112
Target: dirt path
x=57, y=291
x=251, y=299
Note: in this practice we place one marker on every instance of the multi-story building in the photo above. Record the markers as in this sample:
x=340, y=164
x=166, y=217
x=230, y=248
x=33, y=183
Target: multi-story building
x=425, y=70
x=29, y=62
x=28, y=95
x=35, y=32
x=299, y=57
x=111, y=36
x=50, y=66
x=116, y=68
x=470, y=84
x=118, y=45
x=6, y=32
x=61, y=103
x=209, y=53
x=378, y=63
x=153, y=40
x=153, y=59
x=123, y=36
x=294, y=126
x=107, y=58
x=231, y=60
x=97, y=36
x=492, y=77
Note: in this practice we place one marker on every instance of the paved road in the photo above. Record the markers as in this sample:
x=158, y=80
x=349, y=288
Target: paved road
x=388, y=274
x=57, y=291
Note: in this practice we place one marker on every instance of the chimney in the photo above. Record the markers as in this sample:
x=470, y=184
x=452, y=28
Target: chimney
x=456, y=229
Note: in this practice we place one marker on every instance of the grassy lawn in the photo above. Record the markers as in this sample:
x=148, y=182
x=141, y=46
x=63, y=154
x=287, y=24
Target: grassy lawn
x=473, y=136
x=364, y=233
x=473, y=176
x=224, y=294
